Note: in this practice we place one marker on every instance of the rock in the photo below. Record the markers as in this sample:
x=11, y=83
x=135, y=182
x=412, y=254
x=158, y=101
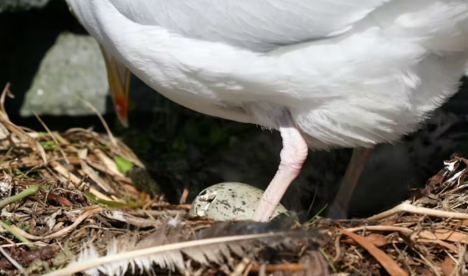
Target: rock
x=72, y=68
x=32, y=45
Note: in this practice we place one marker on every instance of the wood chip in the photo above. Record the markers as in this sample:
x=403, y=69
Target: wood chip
x=448, y=266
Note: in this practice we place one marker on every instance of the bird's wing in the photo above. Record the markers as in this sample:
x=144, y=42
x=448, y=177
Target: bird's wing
x=259, y=25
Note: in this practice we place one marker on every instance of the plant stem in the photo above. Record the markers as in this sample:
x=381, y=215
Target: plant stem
x=25, y=193
x=16, y=234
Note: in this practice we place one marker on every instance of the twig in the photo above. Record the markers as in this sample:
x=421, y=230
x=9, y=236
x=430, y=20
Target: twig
x=424, y=236
x=5, y=156
x=65, y=172
x=132, y=220
x=38, y=243
x=442, y=243
x=318, y=213
x=386, y=228
x=247, y=270
x=262, y=270
x=53, y=138
x=461, y=262
x=63, y=231
x=16, y=233
x=329, y=260
x=111, y=137
x=12, y=261
x=278, y=267
x=156, y=213
x=406, y=207
x=185, y=193
x=430, y=264
x=2, y=99
x=240, y=267
x=25, y=193
x=337, y=248
x=388, y=263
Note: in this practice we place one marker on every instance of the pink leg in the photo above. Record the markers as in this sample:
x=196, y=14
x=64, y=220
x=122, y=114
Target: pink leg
x=293, y=155
x=339, y=208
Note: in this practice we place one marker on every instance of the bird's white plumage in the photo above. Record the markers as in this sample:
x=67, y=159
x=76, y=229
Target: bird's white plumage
x=363, y=72
x=256, y=25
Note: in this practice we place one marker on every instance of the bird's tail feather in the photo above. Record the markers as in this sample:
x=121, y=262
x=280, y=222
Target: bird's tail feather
x=438, y=25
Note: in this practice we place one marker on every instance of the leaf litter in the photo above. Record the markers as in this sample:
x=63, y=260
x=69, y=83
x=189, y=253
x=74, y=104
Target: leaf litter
x=69, y=206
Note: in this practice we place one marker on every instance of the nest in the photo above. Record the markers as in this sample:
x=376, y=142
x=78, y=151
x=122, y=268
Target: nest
x=69, y=207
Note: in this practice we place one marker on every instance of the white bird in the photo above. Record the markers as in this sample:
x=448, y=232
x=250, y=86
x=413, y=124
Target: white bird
x=326, y=74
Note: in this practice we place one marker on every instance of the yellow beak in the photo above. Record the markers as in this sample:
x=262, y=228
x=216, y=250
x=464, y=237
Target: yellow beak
x=119, y=85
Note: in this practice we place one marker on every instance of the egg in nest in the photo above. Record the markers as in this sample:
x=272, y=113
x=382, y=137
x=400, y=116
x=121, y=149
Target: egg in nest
x=229, y=201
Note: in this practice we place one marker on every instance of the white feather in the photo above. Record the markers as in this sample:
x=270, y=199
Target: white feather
x=124, y=253
x=256, y=25
x=169, y=260
x=388, y=66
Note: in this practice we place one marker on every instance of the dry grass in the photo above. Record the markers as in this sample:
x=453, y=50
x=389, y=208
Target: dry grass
x=426, y=235
x=62, y=191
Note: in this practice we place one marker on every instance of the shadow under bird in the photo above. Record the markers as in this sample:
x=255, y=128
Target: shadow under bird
x=326, y=74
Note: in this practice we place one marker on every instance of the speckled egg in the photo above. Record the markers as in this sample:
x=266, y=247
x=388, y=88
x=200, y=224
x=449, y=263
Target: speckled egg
x=229, y=201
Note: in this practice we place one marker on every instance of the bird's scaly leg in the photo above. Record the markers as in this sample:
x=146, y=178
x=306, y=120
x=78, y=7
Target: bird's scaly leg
x=339, y=208
x=293, y=155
